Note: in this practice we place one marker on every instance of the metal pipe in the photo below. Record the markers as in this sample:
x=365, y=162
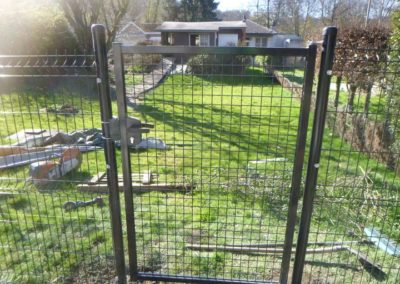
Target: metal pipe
x=298, y=161
x=103, y=87
x=126, y=159
x=192, y=279
x=279, y=51
x=324, y=80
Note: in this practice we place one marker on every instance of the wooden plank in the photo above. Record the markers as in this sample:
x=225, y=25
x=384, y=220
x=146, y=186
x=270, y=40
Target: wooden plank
x=102, y=178
x=250, y=250
x=96, y=178
x=138, y=187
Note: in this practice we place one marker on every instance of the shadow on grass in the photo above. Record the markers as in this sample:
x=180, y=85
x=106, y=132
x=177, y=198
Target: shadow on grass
x=223, y=133
x=251, y=76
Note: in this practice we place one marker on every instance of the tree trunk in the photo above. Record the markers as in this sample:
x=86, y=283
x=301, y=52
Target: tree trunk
x=350, y=103
x=367, y=100
x=338, y=83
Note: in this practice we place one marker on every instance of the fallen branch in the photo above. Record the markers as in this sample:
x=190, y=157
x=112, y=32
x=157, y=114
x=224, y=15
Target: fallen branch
x=138, y=187
x=367, y=264
x=263, y=250
x=338, y=243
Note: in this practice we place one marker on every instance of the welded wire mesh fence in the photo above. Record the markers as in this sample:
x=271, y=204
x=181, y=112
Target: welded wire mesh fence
x=358, y=184
x=219, y=142
x=50, y=124
x=212, y=150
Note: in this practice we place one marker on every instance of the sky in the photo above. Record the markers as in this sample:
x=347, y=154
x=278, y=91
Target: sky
x=233, y=4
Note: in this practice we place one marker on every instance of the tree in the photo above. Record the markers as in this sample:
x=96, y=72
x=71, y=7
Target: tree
x=208, y=10
x=198, y=10
x=393, y=98
x=233, y=15
x=269, y=12
x=81, y=14
x=171, y=9
x=359, y=58
x=153, y=11
x=33, y=27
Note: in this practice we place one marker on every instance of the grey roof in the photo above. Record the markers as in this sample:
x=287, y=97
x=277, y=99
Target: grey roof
x=200, y=26
x=251, y=27
x=254, y=28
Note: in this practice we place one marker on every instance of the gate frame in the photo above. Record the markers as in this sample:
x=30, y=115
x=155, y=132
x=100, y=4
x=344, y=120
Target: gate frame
x=119, y=50
x=308, y=53
x=321, y=105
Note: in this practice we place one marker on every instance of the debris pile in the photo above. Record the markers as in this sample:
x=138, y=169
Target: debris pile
x=44, y=171
x=64, y=109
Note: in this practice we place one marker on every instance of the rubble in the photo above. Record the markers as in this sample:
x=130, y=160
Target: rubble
x=64, y=109
x=31, y=155
x=44, y=171
x=42, y=137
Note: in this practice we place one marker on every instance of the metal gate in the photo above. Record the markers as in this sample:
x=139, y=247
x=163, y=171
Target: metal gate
x=212, y=151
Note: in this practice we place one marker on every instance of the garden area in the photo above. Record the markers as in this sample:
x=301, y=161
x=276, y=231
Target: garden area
x=233, y=138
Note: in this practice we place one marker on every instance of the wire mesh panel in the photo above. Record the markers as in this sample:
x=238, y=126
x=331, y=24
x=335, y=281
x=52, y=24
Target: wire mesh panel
x=51, y=144
x=212, y=141
x=356, y=206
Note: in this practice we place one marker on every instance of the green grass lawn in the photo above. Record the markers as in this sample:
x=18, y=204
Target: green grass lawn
x=224, y=123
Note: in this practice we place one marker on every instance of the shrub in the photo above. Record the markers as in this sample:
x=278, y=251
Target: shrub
x=262, y=60
x=218, y=64
x=359, y=58
x=142, y=63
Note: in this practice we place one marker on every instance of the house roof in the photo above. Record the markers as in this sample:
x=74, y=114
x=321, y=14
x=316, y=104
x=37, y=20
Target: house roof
x=200, y=26
x=132, y=32
x=132, y=29
x=251, y=27
x=254, y=28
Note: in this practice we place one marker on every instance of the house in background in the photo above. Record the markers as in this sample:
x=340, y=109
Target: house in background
x=133, y=34
x=222, y=33
x=231, y=33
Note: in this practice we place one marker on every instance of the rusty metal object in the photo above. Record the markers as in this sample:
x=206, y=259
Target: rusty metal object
x=73, y=205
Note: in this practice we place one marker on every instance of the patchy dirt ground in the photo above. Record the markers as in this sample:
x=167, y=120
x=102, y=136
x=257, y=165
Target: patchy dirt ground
x=98, y=272
x=103, y=272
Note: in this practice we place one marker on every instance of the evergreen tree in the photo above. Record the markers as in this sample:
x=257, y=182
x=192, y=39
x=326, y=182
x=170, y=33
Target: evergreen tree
x=208, y=10
x=198, y=10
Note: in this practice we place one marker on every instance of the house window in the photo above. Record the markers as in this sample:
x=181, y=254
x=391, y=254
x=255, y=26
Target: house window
x=202, y=39
x=261, y=42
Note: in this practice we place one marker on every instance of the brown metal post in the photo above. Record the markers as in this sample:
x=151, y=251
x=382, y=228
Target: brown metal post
x=103, y=87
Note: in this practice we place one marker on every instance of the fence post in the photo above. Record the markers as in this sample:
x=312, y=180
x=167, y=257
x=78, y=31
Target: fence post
x=103, y=87
x=324, y=80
